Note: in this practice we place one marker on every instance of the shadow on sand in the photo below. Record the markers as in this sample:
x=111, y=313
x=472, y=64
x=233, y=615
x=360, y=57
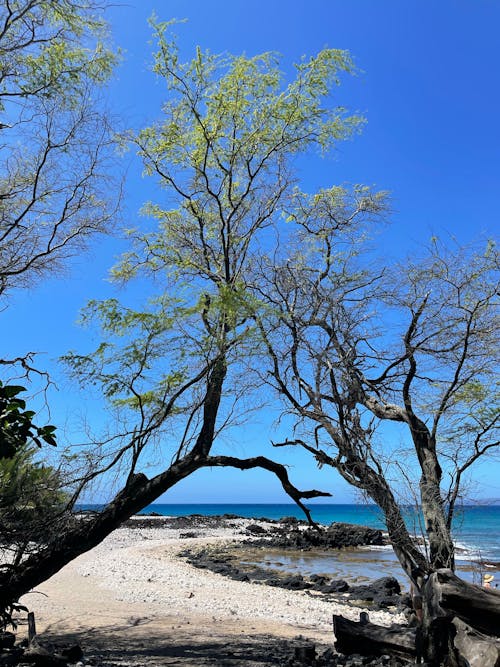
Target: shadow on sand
x=140, y=643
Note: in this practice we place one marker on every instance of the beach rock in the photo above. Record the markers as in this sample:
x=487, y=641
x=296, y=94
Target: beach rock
x=382, y=593
x=295, y=583
x=341, y=535
x=337, y=536
x=385, y=592
x=329, y=658
x=221, y=568
x=72, y=653
x=176, y=522
x=305, y=655
x=326, y=585
x=273, y=581
x=256, y=529
x=335, y=586
x=290, y=521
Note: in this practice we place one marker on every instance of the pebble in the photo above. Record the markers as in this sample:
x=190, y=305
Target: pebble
x=143, y=565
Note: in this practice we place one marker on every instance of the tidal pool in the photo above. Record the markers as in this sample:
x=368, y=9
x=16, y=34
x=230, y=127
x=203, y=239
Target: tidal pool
x=356, y=566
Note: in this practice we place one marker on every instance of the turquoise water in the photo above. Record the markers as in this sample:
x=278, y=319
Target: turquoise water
x=476, y=533
x=476, y=528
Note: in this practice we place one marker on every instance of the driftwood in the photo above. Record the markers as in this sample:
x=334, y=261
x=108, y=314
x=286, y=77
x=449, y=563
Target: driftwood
x=370, y=639
x=478, y=650
x=461, y=624
x=448, y=595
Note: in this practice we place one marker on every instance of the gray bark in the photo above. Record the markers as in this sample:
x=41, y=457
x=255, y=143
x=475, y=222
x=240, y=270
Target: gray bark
x=370, y=639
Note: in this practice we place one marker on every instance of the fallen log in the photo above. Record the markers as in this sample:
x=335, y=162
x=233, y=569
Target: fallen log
x=478, y=607
x=370, y=639
x=478, y=650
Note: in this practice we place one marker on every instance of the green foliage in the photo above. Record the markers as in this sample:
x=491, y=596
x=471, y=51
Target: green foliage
x=130, y=371
x=32, y=501
x=30, y=494
x=50, y=48
x=56, y=146
x=17, y=430
x=223, y=152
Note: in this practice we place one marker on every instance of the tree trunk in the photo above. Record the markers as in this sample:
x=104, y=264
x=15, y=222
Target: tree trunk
x=478, y=650
x=88, y=533
x=138, y=492
x=446, y=596
x=441, y=549
x=374, y=484
x=477, y=606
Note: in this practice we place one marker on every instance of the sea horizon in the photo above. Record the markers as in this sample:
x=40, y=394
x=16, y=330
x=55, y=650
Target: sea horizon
x=476, y=527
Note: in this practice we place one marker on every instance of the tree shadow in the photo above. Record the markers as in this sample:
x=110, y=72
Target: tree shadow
x=140, y=643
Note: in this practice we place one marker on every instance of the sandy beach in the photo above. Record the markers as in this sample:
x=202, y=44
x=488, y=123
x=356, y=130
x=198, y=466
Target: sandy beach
x=133, y=601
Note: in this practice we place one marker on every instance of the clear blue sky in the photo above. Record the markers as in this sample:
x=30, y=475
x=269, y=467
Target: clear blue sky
x=430, y=89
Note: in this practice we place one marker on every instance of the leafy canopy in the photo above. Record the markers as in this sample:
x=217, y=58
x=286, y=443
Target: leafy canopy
x=222, y=153
x=49, y=48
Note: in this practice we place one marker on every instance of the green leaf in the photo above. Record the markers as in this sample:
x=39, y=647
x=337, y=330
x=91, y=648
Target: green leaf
x=12, y=390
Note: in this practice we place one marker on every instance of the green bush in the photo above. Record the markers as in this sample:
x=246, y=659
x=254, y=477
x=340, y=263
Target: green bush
x=31, y=493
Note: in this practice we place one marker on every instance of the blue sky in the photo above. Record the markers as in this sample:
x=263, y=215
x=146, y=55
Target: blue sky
x=429, y=87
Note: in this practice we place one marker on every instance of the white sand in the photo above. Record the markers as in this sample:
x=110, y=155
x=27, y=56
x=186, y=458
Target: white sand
x=134, y=584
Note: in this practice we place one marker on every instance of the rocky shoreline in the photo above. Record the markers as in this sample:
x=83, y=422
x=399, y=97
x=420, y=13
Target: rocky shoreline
x=289, y=533
x=143, y=604
x=383, y=593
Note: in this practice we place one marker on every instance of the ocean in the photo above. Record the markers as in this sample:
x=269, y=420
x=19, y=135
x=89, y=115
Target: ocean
x=476, y=528
x=476, y=533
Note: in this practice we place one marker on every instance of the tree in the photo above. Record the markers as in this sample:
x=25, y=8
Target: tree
x=55, y=143
x=29, y=489
x=223, y=155
x=55, y=157
x=352, y=349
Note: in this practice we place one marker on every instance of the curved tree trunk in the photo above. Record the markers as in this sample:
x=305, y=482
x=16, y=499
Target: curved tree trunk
x=138, y=492
x=88, y=533
x=374, y=484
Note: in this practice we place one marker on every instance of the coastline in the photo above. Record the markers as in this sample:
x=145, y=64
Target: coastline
x=132, y=600
x=476, y=530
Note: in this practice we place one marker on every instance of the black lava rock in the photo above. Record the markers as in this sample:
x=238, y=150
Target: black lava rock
x=255, y=529
x=384, y=592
